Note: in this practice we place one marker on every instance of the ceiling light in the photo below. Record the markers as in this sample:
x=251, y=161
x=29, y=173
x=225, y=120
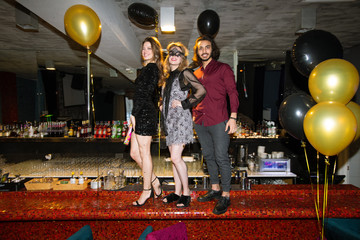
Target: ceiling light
x=27, y=21
x=306, y=20
x=167, y=22
x=49, y=65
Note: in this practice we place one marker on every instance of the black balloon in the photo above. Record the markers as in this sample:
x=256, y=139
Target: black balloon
x=208, y=23
x=314, y=47
x=292, y=112
x=142, y=14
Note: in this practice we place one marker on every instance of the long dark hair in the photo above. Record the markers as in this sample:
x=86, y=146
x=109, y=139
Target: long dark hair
x=215, y=54
x=157, y=50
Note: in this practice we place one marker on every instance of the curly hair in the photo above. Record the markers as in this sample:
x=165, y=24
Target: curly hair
x=215, y=54
x=166, y=66
x=157, y=50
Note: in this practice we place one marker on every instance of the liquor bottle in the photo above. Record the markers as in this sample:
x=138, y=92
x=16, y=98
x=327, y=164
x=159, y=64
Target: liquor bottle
x=125, y=128
x=96, y=130
x=108, y=130
x=114, y=129
x=103, y=130
x=66, y=130
x=119, y=129
x=31, y=131
x=78, y=131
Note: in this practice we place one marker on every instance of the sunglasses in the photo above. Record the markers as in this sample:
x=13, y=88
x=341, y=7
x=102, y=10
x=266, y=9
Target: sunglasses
x=176, y=53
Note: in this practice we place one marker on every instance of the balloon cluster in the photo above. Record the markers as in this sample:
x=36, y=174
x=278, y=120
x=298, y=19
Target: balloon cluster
x=330, y=126
x=327, y=118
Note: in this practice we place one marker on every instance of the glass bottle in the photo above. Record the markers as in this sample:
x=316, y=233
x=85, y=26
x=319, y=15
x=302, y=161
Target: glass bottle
x=81, y=178
x=72, y=179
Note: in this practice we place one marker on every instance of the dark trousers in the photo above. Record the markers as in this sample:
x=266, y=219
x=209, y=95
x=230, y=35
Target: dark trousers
x=215, y=142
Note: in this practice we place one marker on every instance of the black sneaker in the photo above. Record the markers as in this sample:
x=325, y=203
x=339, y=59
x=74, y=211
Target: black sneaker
x=222, y=205
x=210, y=195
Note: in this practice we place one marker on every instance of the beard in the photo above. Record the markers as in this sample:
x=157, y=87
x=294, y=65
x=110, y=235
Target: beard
x=204, y=59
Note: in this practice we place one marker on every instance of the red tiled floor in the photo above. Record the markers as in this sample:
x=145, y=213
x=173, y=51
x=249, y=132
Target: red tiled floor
x=265, y=212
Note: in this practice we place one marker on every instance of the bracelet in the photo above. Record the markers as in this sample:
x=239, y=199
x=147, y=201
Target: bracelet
x=232, y=118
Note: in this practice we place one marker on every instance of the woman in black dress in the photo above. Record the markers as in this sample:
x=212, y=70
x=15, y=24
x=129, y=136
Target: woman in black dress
x=144, y=117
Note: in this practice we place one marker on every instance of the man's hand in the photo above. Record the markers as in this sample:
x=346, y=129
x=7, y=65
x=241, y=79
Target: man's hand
x=231, y=126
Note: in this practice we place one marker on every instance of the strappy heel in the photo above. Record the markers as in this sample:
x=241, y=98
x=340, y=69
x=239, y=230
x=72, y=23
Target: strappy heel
x=172, y=197
x=142, y=204
x=184, y=200
x=161, y=190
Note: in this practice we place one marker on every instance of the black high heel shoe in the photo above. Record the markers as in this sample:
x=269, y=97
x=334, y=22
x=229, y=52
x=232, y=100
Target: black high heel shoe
x=183, y=202
x=161, y=190
x=172, y=197
x=142, y=204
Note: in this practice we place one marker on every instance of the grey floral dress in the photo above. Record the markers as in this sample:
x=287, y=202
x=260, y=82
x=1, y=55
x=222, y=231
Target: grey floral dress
x=178, y=121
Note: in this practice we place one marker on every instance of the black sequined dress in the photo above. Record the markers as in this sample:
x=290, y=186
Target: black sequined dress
x=145, y=109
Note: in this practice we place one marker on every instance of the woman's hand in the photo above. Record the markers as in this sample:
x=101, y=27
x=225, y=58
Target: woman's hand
x=160, y=107
x=132, y=120
x=176, y=103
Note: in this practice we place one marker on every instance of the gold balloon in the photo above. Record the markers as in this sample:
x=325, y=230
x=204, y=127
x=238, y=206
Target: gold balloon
x=330, y=127
x=82, y=24
x=334, y=80
x=355, y=109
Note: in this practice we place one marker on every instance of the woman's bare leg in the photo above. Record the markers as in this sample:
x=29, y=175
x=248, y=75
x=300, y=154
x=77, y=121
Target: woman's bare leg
x=144, y=160
x=180, y=167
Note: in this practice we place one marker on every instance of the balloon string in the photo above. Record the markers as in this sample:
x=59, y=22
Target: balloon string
x=303, y=145
x=333, y=174
x=318, y=188
x=92, y=99
x=317, y=178
x=325, y=196
x=88, y=84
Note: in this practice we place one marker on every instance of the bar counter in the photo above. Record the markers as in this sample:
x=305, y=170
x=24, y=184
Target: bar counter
x=264, y=212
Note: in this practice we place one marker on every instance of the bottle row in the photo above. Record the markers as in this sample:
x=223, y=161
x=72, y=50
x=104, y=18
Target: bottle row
x=262, y=129
x=80, y=129
x=115, y=129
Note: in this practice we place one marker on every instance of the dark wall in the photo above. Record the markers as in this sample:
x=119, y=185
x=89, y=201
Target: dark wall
x=104, y=103
x=26, y=95
x=352, y=55
x=271, y=92
x=8, y=95
x=263, y=88
x=251, y=78
x=49, y=82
